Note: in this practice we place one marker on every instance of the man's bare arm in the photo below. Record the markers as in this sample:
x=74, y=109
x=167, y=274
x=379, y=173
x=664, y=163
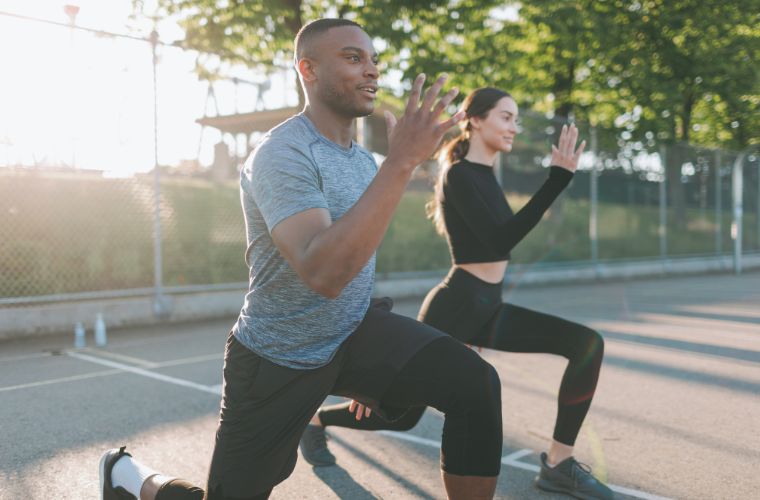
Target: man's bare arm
x=327, y=256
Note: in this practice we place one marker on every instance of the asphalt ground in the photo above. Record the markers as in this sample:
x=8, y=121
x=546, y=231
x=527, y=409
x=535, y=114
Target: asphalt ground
x=676, y=413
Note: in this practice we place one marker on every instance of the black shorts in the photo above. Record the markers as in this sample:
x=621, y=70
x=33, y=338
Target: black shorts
x=266, y=407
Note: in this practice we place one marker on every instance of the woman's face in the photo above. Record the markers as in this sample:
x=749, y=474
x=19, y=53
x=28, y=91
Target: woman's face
x=499, y=128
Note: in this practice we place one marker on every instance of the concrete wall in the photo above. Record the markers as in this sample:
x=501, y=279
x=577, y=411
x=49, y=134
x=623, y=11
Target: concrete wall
x=60, y=317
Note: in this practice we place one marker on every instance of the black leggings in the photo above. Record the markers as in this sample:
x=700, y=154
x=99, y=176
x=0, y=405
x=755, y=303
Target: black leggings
x=471, y=310
x=443, y=374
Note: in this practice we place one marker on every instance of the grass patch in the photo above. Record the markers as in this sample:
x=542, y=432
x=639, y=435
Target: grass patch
x=73, y=234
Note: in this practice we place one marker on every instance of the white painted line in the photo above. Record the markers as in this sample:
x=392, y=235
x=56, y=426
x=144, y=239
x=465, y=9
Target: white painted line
x=120, y=357
x=518, y=454
x=520, y=465
x=413, y=439
x=209, y=357
x=194, y=359
x=60, y=380
x=144, y=373
x=511, y=460
x=636, y=493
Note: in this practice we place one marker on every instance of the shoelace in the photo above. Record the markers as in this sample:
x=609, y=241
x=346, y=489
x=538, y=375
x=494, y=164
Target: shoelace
x=579, y=471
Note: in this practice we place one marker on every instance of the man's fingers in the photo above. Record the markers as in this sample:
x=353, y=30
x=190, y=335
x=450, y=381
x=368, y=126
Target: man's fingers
x=352, y=406
x=390, y=121
x=367, y=412
x=432, y=92
x=443, y=127
x=414, y=97
x=444, y=102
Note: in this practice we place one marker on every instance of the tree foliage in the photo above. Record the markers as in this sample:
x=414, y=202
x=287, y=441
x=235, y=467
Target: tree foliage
x=678, y=70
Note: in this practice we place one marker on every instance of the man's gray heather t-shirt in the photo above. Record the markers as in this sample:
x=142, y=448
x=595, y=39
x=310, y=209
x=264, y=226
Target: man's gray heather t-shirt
x=294, y=168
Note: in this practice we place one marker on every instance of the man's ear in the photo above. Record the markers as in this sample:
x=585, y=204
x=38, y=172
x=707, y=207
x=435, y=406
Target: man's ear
x=306, y=68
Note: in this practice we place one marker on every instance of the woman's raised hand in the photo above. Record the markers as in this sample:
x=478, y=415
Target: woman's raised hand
x=564, y=154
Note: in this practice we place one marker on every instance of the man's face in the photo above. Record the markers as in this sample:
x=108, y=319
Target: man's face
x=345, y=65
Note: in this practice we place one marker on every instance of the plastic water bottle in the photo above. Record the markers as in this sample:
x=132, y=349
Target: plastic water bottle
x=79, y=340
x=100, y=331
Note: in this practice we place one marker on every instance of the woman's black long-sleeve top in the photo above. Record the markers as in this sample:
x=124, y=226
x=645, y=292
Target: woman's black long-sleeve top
x=480, y=225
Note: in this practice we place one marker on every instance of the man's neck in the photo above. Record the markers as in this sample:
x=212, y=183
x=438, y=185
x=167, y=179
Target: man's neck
x=337, y=128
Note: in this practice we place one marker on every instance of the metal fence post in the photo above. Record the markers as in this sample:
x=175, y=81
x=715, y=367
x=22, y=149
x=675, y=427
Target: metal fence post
x=594, y=192
x=499, y=169
x=718, y=204
x=160, y=306
x=737, y=181
x=663, y=229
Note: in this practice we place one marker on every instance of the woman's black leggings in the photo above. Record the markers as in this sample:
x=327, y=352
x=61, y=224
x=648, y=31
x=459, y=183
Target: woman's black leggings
x=471, y=310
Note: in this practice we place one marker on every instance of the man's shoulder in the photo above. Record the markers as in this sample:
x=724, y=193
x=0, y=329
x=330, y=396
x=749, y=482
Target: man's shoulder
x=367, y=154
x=292, y=133
x=287, y=141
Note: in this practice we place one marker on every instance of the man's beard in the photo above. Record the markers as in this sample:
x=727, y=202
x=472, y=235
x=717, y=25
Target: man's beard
x=344, y=104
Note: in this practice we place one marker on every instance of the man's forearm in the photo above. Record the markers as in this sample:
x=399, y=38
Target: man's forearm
x=337, y=254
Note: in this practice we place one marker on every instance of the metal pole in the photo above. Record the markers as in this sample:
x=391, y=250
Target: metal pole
x=362, y=132
x=594, y=193
x=736, y=225
x=499, y=169
x=72, y=11
x=718, y=204
x=160, y=308
x=663, y=229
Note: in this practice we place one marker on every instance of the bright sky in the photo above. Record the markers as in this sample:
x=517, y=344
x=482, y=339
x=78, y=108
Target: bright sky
x=89, y=100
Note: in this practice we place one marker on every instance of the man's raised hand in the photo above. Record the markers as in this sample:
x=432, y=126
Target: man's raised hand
x=414, y=137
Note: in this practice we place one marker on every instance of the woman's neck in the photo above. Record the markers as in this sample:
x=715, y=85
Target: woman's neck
x=478, y=152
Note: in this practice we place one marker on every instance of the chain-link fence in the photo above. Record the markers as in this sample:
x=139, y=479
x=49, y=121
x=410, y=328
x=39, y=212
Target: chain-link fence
x=629, y=201
x=129, y=228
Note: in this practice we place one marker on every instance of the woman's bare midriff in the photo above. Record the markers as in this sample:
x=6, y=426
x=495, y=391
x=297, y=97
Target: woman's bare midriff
x=490, y=272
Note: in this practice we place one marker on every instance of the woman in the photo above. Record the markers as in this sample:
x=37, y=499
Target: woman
x=470, y=211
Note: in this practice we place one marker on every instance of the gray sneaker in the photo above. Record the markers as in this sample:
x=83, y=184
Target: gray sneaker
x=573, y=478
x=314, y=446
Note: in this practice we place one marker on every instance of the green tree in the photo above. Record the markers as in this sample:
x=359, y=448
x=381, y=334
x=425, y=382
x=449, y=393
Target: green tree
x=687, y=59
x=261, y=33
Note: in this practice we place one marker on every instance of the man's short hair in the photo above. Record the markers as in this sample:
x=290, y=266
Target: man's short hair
x=310, y=31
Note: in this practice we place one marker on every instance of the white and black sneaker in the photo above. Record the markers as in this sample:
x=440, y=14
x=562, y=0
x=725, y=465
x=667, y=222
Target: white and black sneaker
x=107, y=461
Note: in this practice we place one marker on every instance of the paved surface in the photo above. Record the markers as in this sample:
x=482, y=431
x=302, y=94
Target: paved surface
x=675, y=414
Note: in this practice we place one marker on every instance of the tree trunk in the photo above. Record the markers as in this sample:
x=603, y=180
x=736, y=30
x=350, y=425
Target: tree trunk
x=562, y=89
x=676, y=158
x=294, y=23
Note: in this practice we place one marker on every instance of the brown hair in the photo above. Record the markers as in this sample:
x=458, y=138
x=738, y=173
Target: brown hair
x=477, y=104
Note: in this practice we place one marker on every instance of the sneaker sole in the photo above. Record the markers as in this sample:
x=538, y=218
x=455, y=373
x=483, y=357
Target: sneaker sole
x=545, y=485
x=102, y=473
x=317, y=463
x=102, y=470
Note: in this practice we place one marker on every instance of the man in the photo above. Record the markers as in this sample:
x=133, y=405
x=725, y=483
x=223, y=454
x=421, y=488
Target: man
x=316, y=209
